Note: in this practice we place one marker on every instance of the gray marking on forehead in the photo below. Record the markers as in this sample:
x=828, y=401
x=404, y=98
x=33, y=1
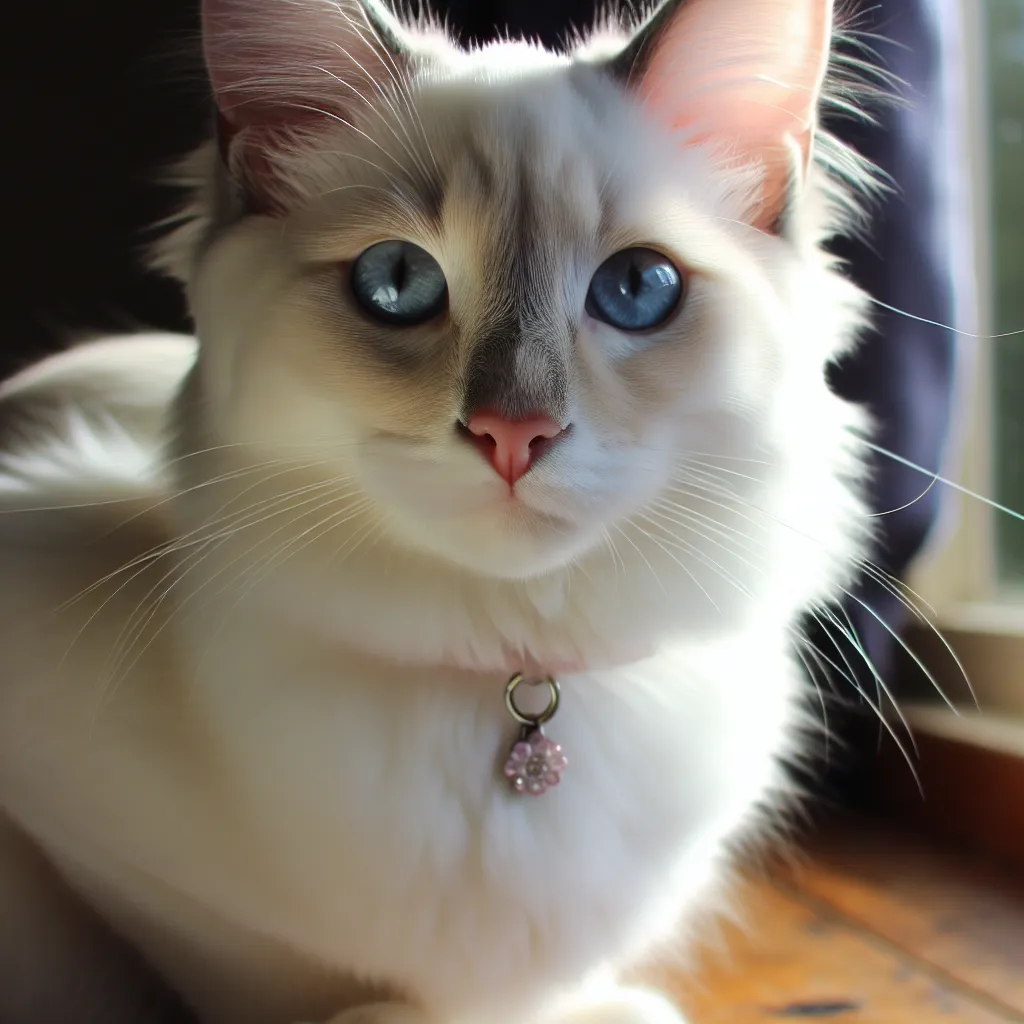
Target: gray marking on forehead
x=480, y=166
x=591, y=86
x=431, y=188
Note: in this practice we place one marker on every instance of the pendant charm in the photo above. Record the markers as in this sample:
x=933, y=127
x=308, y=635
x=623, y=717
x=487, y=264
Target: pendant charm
x=535, y=763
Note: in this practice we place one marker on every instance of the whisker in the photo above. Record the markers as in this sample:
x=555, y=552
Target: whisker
x=678, y=562
x=360, y=507
x=942, y=326
x=821, y=699
x=890, y=586
x=704, y=557
x=671, y=510
x=204, y=540
x=182, y=604
x=657, y=578
x=721, y=469
x=909, y=504
x=406, y=143
x=943, y=480
x=906, y=647
x=875, y=707
x=186, y=539
x=880, y=683
x=211, y=482
x=387, y=62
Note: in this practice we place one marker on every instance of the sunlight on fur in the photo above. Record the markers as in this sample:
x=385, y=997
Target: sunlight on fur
x=506, y=361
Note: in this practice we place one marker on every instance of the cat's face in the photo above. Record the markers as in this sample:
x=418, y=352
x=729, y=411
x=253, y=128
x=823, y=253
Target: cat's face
x=503, y=303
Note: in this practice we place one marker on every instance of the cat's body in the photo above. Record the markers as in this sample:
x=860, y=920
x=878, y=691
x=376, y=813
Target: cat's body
x=270, y=757
x=282, y=827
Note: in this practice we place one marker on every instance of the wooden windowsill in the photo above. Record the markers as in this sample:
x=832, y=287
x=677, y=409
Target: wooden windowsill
x=969, y=785
x=862, y=924
x=995, y=731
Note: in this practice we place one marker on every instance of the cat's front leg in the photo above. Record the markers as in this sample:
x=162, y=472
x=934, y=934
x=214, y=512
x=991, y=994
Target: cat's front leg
x=616, y=1005
x=620, y=1005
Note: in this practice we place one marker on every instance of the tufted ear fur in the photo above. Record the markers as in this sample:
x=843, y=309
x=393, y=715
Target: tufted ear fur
x=280, y=68
x=746, y=74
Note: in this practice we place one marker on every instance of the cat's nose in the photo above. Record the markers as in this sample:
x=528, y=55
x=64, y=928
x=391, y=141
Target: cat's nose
x=512, y=445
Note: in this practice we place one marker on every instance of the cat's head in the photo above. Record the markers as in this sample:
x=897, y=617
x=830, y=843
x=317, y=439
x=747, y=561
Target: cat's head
x=509, y=296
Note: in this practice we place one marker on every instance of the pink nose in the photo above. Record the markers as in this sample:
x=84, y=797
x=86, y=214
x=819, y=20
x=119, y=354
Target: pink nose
x=512, y=445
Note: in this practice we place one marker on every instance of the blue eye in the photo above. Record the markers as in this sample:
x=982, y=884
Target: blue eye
x=399, y=283
x=634, y=290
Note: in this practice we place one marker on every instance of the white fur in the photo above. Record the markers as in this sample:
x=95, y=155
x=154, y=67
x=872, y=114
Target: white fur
x=267, y=755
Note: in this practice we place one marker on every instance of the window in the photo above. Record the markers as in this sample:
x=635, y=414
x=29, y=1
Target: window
x=974, y=575
x=1005, y=80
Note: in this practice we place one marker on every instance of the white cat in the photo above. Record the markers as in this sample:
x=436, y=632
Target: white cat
x=507, y=362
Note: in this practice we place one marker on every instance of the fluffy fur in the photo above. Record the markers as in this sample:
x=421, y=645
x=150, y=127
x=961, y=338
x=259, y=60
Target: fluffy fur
x=251, y=716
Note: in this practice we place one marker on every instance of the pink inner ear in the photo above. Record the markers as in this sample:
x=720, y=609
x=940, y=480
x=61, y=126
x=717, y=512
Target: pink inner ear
x=746, y=74
x=277, y=66
x=290, y=62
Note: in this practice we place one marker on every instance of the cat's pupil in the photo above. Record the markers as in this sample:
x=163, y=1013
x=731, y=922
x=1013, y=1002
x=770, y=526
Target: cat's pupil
x=636, y=280
x=401, y=270
x=387, y=295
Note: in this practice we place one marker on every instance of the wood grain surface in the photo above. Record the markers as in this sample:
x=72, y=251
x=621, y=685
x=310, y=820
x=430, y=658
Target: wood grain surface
x=866, y=926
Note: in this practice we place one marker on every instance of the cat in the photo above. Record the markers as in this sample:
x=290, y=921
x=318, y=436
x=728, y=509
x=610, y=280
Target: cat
x=419, y=644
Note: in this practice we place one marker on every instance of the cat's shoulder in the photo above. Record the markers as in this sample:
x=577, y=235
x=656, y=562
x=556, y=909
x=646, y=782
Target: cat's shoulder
x=88, y=425
x=82, y=437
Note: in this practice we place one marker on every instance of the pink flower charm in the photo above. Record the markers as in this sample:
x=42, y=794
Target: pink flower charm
x=535, y=764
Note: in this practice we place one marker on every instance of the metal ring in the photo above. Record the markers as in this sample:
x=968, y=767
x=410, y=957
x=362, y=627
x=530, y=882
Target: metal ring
x=547, y=714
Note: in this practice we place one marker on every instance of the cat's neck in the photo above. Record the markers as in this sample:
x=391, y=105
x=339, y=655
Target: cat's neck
x=408, y=609
x=537, y=667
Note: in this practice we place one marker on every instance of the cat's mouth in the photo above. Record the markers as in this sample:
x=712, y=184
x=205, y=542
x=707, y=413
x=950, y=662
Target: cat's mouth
x=524, y=514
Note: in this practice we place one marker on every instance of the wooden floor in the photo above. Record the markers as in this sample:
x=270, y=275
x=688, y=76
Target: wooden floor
x=867, y=926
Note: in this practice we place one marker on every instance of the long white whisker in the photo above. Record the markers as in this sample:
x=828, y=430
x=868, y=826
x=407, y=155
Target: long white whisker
x=348, y=511
x=201, y=532
x=943, y=480
x=875, y=707
x=945, y=327
x=878, y=576
x=678, y=561
x=657, y=578
x=246, y=518
x=672, y=510
x=687, y=462
x=182, y=604
x=672, y=538
x=406, y=143
x=906, y=647
x=387, y=62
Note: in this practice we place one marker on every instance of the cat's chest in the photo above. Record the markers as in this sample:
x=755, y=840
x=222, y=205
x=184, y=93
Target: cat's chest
x=378, y=806
x=362, y=817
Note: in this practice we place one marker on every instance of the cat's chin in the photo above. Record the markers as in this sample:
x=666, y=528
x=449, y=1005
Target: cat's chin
x=514, y=544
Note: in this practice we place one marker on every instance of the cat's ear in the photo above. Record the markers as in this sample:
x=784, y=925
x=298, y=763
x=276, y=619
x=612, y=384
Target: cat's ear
x=281, y=66
x=747, y=74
